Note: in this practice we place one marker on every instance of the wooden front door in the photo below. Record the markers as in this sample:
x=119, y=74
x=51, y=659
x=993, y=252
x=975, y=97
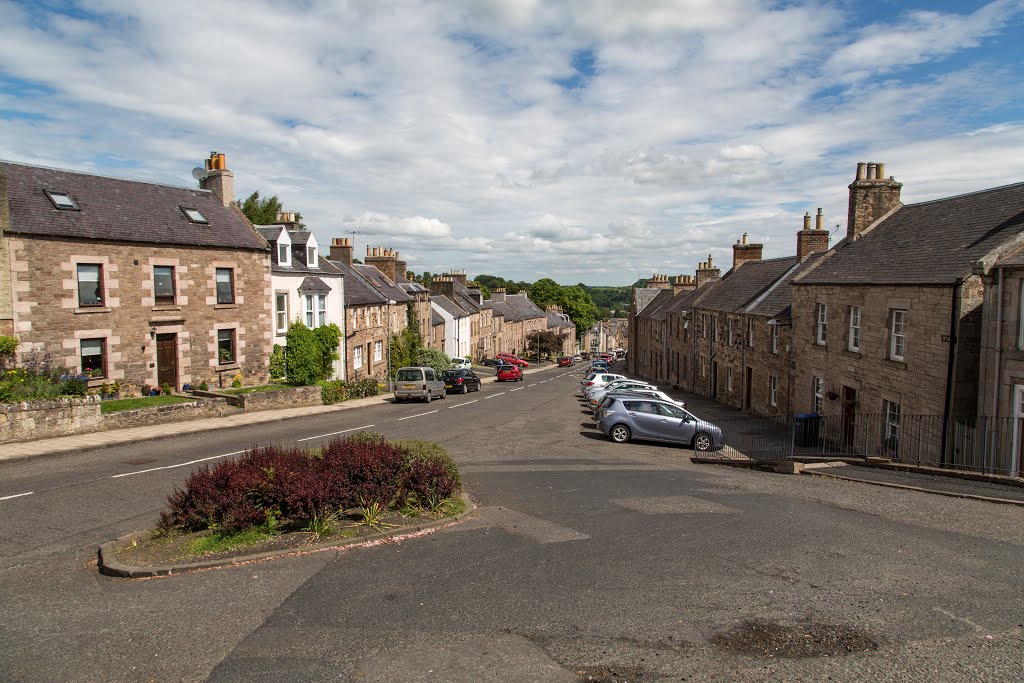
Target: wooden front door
x=849, y=415
x=167, y=360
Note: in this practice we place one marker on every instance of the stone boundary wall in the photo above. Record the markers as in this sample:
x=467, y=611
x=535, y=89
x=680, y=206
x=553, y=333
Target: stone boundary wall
x=47, y=419
x=292, y=397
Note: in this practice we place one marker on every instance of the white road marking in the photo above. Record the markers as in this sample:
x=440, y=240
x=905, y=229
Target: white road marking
x=171, y=467
x=542, y=381
x=409, y=417
x=463, y=404
x=519, y=389
x=493, y=395
x=17, y=495
x=343, y=431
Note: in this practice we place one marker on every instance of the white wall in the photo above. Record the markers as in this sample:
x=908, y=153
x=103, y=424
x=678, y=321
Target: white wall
x=282, y=282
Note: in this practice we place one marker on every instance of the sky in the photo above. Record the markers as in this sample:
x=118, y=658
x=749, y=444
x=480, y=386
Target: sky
x=595, y=141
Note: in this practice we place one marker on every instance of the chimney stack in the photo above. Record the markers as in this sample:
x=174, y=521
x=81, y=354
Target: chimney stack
x=498, y=294
x=443, y=286
x=810, y=241
x=458, y=276
x=383, y=260
x=219, y=180
x=683, y=283
x=707, y=273
x=341, y=250
x=287, y=219
x=742, y=252
x=659, y=282
x=401, y=269
x=871, y=197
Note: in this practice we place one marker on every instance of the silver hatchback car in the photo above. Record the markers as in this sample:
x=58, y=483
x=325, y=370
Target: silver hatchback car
x=626, y=418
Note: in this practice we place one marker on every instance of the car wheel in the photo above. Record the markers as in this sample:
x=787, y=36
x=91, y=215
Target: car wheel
x=444, y=394
x=428, y=397
x=620, y=433
x=465, y=389
x=702, y=442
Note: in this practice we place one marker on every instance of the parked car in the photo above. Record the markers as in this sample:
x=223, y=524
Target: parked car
x=509, y=373
x=599, y=366
x=512, y=359
x=460, y=363
x=418, y=382
x=577, y=358
x=595, y=393
x=639, y=393
x=461, y=381
x=492, y=362
x=566, y=362
x=626, y=418
x=599, y=379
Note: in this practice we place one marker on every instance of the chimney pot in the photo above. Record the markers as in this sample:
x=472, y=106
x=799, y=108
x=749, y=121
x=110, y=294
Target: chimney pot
x=744, y=238
x=872, y=170
x=860, y=170
x=880, y=169
x=819, y=221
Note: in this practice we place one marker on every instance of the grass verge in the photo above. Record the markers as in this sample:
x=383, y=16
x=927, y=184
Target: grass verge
x=254, y=390
x=144, y=402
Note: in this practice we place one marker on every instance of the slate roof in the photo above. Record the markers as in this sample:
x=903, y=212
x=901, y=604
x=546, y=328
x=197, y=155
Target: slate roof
x=932, y=242
x=523, y=307
x=435, y=318
x=504, y=310
x=777, y=301
x=313, y=284
x=657, y=307
x=119, y=210
x=449, y=306
x=555, y=320
x=380, y=282
x=358, y=292
x=740, y=286
x=643, y=296
x=324, y=267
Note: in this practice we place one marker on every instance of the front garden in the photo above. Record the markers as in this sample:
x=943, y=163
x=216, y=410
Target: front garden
x=281, y=498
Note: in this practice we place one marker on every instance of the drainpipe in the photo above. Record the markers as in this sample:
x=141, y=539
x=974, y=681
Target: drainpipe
x=954, y=325
x=999, y=359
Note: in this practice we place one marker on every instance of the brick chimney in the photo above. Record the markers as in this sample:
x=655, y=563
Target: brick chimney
x=659, y=282
x=401, y=268
x=810, y=241
x=287, y=219
x=872, y=195
x=383, y=260
x=219, y=180
x=683, y=283
x=707, y=273
x=458, y=276
x=498, y=294
x=341, y=250
x=743, y=251
x=443, y=285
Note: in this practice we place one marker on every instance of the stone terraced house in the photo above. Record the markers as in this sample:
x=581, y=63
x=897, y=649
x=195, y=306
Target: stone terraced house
x=135, y=282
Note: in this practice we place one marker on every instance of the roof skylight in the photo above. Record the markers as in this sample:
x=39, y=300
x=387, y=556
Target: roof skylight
x=62, y=200
x=194, y=215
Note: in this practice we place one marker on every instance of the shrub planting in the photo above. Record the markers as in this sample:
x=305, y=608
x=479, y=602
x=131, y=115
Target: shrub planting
x=336, y=391
x=291, y=489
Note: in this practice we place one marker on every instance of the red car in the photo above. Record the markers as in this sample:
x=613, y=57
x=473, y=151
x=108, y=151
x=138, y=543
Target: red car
x=511, y=358
x=565, y=362
x=509, y=373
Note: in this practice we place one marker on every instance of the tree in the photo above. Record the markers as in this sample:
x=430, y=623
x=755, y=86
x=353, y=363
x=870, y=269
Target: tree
x=578, y=305
x=550, y=342
x=545, y=292
x=433, y=358
x=263, y=211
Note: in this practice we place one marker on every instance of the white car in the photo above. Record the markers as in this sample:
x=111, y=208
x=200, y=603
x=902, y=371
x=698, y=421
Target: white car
x=461, y=364
x=597, y=393
x=599, y=379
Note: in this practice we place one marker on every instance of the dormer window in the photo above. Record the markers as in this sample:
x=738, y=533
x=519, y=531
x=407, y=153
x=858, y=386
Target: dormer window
x=311, y=257
x=62, y=200
x=284, y=254
x=193, y=215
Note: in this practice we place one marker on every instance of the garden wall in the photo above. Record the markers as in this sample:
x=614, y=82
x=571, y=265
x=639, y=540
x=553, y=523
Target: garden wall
x=46, y=419
x=292, y=397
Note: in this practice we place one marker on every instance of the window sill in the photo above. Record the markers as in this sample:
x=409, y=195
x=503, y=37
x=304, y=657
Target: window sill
x=220, y=306
x=228, y=366
x=166, y=307
x=92, y=309
x=896, y=363
x=851, y=352
x=96, y=382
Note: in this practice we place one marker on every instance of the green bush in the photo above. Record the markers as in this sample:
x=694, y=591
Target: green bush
x=327, y=338
x=336, y=391
x=277, y=362
x=8, y=351
x=74, y=386
x=304, y=358
x=432, y=358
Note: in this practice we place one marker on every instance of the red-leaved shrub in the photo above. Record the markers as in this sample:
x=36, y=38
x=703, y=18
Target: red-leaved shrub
x=364, y=470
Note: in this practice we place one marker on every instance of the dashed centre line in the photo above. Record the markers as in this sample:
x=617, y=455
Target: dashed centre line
x=493, y=395
x=519, y=389
x=343, y=431
x=409, y=417
x=463, y=404
x=171, y=467
x=17, y=495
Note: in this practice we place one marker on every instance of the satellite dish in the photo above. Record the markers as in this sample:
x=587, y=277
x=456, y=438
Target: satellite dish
x=199, y=173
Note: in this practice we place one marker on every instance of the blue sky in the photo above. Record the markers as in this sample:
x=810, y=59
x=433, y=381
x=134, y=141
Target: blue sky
x=585, y=140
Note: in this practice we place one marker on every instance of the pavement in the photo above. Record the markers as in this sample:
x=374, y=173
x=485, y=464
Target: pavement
x=77, y=443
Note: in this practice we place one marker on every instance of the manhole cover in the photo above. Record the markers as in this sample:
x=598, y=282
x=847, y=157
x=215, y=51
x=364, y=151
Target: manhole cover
x=769, y=639
x=138, y=461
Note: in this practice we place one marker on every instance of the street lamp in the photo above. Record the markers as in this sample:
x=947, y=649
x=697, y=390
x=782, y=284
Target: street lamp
x=390, y=303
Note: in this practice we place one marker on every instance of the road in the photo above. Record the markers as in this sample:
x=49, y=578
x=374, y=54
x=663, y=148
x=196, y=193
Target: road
x=586, y=560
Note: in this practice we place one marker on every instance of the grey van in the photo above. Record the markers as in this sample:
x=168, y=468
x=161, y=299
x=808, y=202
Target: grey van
x=421, y=383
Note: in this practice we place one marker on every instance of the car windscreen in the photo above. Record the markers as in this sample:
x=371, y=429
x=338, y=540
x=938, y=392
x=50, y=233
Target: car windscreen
x=409, y=375
x=450, y=374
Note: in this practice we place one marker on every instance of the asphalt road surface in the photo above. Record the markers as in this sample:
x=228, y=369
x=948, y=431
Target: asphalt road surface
x=586, y=561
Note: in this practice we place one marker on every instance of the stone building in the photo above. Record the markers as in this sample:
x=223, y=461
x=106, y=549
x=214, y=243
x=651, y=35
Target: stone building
x=457, y=319
x=418, y=313
x=134, y=282
x=305, y=286
x=563, y=325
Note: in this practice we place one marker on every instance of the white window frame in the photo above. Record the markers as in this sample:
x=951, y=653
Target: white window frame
x=818, y=388
x=1020, y=317
x=321, y=310
x=284, y=249
x=773, y=390
x=853, y=344
x=311, y=257
x=750, y=333
x=821, y=328
x=310, y=314
x=892, y=412
x=728, y=341
x=728, y=379
x=775, y=338
x=898, y=334
x=378, y=351
x=281, y=313
x=703, y=368
x=357, y=357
